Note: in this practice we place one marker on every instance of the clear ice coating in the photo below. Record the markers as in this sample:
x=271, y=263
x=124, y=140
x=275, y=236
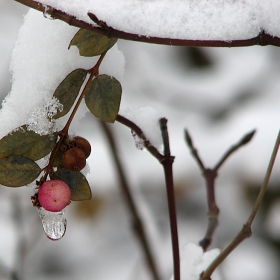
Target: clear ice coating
x=54, y=223
x=47, y=12
x=139, y=142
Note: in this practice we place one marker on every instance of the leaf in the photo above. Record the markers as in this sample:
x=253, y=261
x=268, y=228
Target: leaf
x=90, y=43
x=68, y=90
x=26, y=143
x=18, y=171
x=78, y=184
x=103, y=98
x=58, y=160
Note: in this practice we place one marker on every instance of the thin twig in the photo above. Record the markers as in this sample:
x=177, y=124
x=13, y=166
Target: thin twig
x=246, y=230
x=210, y=175
x=166, y=161
x=124, y=186
x=140, y=133
x=247, y=138
x=101, y=27
x=168, y=172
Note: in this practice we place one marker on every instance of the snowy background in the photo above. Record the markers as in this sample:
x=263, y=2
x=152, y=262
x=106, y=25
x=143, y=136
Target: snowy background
x=219, y=95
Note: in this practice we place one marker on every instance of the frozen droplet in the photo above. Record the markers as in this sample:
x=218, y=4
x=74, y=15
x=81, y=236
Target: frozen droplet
x=139, y=142
x=54, y=223
x=48, y=12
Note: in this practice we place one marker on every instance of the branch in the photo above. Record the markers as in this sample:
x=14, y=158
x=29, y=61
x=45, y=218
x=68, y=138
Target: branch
x=247, y=138
x=167, y=166
x=263, y=39
x=166, y=161
x=246, y=230
x=210, y=175
x=137, y=222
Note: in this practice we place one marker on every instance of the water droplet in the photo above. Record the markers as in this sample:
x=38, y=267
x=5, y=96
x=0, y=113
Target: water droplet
x=48, y=12
x=139, y=142
x=54, y=223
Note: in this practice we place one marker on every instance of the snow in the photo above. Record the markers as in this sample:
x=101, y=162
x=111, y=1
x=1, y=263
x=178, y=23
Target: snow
x=194, y=261
x=185, y=19
x=187, y=98
x=147, y=118
x=40, y=61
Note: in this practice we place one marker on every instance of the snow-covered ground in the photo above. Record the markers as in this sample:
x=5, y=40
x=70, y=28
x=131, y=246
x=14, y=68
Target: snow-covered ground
x=218, y=105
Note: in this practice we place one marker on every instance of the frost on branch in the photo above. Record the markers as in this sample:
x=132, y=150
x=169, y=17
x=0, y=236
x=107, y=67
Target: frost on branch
x=147, y=118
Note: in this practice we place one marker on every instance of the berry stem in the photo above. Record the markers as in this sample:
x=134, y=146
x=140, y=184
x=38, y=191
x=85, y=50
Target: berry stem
x=93, y=73
x=64, y=132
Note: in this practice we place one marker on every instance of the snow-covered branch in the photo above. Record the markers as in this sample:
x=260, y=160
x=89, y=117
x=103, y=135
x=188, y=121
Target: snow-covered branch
x=217, y=31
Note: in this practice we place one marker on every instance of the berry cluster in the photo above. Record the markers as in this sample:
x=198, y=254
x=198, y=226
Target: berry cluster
x=55, y=195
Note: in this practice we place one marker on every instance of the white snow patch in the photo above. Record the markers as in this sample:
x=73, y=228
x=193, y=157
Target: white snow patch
x=194, y=261
x=40, y=61
x=147, y=118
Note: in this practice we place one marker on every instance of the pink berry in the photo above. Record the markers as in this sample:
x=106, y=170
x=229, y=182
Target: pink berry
x=54, y=195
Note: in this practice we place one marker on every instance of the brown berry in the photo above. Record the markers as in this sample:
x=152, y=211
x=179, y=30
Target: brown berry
x=74, y=159
x=82, y=144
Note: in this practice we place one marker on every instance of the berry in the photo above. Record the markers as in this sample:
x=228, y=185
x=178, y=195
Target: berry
x=74, y=159
x=54, y=195
x=82, y=144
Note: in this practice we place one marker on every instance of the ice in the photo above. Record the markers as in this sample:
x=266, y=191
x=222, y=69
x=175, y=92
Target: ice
x=46, y=12
x=41, y=120
x=54, y=223
x=185, y=19
x=139, y=142
x=147, y=118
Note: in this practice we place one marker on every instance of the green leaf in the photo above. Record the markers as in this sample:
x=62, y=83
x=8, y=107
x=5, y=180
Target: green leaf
x=68, y=90
x=18, y=171
x=58, y=160
x=78, y=184
x=103, y=98
x=26, y=143
x=90, y=43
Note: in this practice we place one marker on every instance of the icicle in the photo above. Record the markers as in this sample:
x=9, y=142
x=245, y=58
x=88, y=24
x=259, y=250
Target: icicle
x=54, y=223
x=139, y=142
x=48, y=12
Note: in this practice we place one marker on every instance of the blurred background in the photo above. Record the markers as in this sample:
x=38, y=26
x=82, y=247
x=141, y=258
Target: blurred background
x=218, y=95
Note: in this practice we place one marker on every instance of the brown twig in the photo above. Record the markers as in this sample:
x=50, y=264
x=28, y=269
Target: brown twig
x=263, y=39
x=210, y=175
x=124, y=186
x=166, y=161
x=246, y=229
x=168, y=172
